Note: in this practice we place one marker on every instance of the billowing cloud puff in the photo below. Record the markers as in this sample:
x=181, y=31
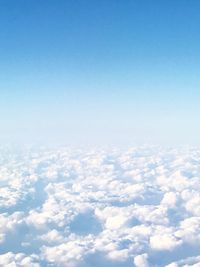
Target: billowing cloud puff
x=164, y=242
x=10, y=259
x=141, y=260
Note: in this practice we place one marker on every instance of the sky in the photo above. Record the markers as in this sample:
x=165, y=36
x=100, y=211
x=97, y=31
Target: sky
x=99, y=72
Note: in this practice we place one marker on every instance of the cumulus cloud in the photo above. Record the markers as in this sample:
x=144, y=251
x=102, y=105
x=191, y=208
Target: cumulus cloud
x=164, y=242
x=141, y=260
x=10, y=259
x=100, y=208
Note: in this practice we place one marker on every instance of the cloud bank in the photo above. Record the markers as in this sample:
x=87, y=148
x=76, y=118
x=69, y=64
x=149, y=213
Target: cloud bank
x=102, y=208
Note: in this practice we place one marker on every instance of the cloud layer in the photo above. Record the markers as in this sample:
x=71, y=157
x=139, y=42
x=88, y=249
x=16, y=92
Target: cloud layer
x=102, y=208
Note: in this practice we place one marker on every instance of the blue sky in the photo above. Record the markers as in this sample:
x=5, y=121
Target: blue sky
x=99, y=72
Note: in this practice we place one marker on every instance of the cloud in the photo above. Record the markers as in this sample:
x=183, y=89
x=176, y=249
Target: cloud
x=10, y=259
x=111, y=207
x=164, y=242
x=141, y=260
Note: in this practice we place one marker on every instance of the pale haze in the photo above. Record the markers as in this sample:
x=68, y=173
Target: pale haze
x=99, y=73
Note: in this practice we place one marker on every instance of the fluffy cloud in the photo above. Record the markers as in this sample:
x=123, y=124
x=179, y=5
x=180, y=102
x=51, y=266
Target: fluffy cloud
x=100, y=208
x=164, y=242
x=10, y=260
x=141, y=260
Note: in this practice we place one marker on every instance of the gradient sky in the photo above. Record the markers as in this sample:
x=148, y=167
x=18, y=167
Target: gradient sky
x=100, y=72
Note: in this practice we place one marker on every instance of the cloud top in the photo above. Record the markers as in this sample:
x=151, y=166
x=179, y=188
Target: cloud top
x=138, y=207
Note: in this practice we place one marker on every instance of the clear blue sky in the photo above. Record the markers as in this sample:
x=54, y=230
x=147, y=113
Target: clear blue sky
x=100, y=72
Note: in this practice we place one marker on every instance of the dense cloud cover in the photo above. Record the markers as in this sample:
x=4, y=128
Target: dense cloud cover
x=100, y=208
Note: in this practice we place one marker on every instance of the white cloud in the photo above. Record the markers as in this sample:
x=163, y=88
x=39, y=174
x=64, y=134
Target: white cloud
x=164, y=242
x=141, y=260
x=68, y=206
x=10, y=260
